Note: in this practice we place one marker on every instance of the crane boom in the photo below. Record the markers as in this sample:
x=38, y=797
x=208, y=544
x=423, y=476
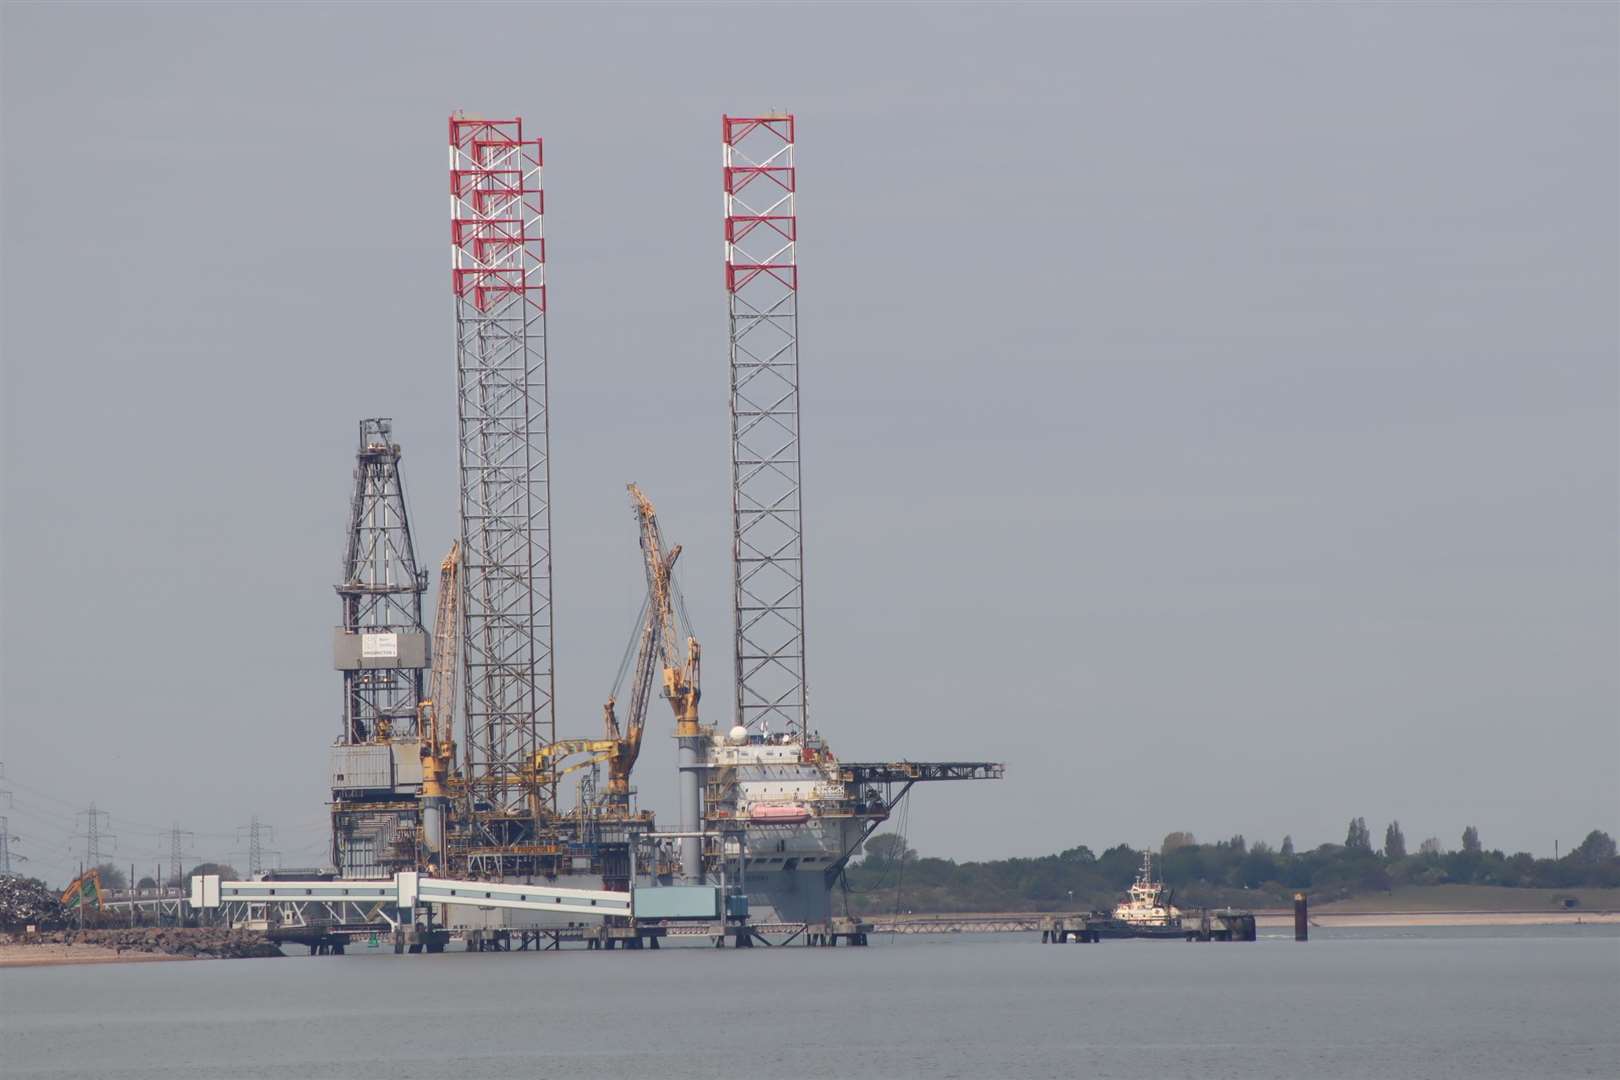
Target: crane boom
x=436, y=712
x=629, y=740
x=683, y=679
x=440, y=704
x=681, y=672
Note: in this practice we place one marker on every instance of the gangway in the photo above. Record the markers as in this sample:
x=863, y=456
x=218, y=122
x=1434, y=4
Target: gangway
x=418, y=889
x=387, y=900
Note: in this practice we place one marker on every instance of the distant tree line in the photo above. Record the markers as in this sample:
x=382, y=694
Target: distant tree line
x=1229, y=871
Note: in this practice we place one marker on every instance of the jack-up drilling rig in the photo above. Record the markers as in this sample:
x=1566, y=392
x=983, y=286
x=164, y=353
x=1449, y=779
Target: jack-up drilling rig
x=778, y=806
x=781, y=803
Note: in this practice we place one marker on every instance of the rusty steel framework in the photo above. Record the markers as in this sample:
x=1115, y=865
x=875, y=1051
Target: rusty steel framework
x=497, y=251
x=762, y=286
x=380, y=593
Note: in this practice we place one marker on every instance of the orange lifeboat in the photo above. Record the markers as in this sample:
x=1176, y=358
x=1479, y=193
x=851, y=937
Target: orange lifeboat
x=780, y=814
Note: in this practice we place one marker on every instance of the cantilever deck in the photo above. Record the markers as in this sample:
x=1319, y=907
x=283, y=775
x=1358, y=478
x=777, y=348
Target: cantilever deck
x=909, y=772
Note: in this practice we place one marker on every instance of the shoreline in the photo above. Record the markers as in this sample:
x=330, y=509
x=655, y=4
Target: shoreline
x=127, y=945
x=1328, y=919
x=1273, y=918
x=56, y=954
x=51, y=954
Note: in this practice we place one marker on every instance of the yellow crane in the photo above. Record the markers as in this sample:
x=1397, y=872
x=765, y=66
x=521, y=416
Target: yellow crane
x=683, y=682
x=435, y=713
x=682, y=674
x=621, y=744
x=627, y=741
x=547, y=758
x=648, y=653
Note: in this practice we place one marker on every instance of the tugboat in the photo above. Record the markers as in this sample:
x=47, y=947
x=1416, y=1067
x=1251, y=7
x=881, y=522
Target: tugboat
x=1146, y=913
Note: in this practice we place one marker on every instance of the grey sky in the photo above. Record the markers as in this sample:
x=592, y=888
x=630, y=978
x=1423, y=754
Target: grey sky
x=1210, y=411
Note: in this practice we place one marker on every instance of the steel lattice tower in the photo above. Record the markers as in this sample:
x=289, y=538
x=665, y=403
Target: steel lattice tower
x=5, y=826
x=497, y=258
x=381, y=595
x=257, y=834
x=177, y=838
x=762, y=283
x=96, y=822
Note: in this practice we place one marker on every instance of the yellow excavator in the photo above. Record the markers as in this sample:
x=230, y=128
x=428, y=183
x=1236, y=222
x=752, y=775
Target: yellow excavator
x=83, y=890
x=435, y=713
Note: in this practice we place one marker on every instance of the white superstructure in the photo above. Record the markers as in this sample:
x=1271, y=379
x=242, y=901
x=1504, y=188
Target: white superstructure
x=1145, y=904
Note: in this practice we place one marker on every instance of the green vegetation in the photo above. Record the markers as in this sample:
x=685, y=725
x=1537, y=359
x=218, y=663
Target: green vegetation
x=112, y=878
x=222, y=870
x=1227, y=872
x=1394, y=841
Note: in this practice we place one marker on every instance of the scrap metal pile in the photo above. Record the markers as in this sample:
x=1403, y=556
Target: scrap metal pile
x=27, y=902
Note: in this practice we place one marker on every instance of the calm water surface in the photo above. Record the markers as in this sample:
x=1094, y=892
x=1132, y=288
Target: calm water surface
x=1538, y=1002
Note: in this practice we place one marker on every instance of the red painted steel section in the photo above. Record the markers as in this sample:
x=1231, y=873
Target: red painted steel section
x=495, y=180
x=768, y=180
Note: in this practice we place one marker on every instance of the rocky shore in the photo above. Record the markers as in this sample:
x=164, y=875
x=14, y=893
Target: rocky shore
x=136, y=943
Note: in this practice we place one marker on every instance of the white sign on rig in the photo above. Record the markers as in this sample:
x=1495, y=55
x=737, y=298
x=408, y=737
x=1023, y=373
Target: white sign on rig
x=379, y=646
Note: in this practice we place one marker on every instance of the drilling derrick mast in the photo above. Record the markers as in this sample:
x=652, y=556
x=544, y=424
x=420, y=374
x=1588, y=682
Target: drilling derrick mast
x=497, y=255
x=380, y=646
x=762, y=286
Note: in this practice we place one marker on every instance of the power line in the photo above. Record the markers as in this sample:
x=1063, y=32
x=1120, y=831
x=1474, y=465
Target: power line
x=47, y=796
x=5, y=826
x=96, y=829
x=133, y=825
x=258, y=833
x=177, y=837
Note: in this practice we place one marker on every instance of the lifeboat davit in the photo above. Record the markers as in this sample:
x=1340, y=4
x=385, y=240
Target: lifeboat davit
x=780, y=814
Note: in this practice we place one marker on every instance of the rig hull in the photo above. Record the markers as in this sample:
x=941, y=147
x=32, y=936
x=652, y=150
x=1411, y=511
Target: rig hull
x=792, y=871
x=790, y=822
